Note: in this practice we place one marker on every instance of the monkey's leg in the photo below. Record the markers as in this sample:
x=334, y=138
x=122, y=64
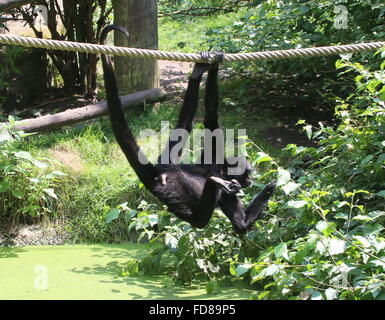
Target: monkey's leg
x=187, y=112
x=233, y=208
x=213, y=151
x=211, y=99
x=257, y=205
x=242, y=219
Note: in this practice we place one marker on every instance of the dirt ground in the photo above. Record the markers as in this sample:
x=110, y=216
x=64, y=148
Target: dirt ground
x=173, y=75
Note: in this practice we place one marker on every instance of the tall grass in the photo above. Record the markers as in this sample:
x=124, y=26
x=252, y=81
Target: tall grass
x=189, y=35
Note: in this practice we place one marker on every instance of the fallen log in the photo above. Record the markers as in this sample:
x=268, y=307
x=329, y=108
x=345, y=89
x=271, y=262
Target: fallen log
x=10, y=4
x=91, y=111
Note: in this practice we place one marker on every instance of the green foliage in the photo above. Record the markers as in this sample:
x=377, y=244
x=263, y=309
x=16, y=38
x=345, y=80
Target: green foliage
x=181, y=9
x=331, y=245
x=130, y=269
x=196, y=252
x=278, y=25
x=27, y=184
x=8, y=67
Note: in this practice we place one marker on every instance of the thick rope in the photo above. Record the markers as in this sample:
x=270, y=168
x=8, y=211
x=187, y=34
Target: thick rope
x=175, y=56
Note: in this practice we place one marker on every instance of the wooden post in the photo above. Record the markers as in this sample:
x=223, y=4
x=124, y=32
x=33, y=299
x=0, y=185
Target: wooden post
x=140, y=18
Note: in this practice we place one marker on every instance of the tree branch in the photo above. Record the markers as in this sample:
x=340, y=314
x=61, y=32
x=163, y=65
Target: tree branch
x=6, y=5
x=92, y=111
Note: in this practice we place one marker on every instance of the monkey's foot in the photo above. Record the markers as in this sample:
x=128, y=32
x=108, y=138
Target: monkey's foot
x=229, y=187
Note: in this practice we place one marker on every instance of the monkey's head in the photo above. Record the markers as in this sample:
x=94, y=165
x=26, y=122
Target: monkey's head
x=238, y=168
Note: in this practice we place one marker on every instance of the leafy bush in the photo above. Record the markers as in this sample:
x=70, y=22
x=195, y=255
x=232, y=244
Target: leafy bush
x=279, y=25
x=26, y=183
x=8, y=56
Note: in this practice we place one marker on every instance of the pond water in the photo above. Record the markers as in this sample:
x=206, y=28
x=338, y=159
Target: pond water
x=89, y=272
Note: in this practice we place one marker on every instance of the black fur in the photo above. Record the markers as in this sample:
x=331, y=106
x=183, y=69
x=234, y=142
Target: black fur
x=191, y=192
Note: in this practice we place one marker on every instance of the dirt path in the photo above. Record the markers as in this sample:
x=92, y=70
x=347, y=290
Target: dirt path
x=174, y=75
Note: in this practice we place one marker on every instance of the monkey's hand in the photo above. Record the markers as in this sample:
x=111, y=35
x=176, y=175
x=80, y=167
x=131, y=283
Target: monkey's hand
x=229, y=187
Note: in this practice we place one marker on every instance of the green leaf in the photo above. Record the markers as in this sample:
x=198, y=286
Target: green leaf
x=112, y=215
x=4, y=186
x=150, y=234
x=341, y=215
x=339, y=64
x=336, y=246
x=325, y=227
x=242, y=269
x=233, y=269
x=308, y=130
x=132, y=267
x=340, y=204
x=381, y=194
x=376, y=214
x=366, y=160
x=39, y=164
x=11, y=120
x=290, y=187
x=382, y=95
x=303, y=8
x=363, y=241
x=171, y=241
x=316, y=296
x=4, y=134
x=141, y=235
x=153, y=219
x=58, y=173
x=296, y=203
x=262, y=157
x=262, y=295
x=378, y=263
x=17, y=194
x=331, y=294
x=51, y=193
x=281, y=251
x=129, y=215
x=361, y=217
x=23, y=155
x=283, y=177
x=269, y=271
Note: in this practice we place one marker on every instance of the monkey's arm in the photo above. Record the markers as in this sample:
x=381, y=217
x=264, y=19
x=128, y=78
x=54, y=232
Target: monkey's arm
x=211, y=99
x=211, y=117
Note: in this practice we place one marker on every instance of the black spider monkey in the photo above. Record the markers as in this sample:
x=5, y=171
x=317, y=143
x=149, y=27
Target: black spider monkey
x=191, y=192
